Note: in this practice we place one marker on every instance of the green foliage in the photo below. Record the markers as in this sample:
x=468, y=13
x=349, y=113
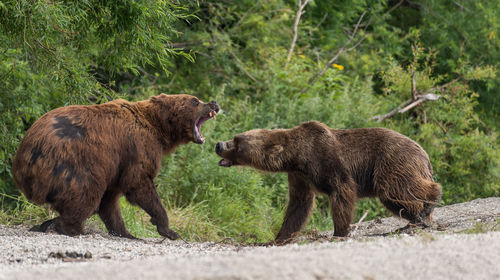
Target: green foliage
x=67, y=52
x=60, y=53
x=481, y=227
x=465, y=34
x=461, y=148
x=21, y=211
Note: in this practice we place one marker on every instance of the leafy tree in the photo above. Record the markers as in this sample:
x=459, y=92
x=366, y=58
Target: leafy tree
x=55, y=53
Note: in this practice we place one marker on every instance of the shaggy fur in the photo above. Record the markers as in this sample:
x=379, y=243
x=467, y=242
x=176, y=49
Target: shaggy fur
x=342, y=164
x=81, y=159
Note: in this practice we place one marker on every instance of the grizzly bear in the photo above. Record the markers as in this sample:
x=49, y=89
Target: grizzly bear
x=81, y=159
x=343, y=164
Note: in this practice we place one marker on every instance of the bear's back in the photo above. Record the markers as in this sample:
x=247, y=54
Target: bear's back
x=73, y=147
x=369, y=153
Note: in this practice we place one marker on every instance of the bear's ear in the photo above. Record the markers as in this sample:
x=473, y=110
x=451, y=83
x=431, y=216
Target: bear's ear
x=158, y=98
x=315, y=127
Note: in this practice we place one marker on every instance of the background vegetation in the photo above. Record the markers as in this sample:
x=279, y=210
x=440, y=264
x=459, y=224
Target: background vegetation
x=56, y=53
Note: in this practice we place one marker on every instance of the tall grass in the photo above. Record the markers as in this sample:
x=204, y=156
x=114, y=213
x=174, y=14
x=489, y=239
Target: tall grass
x=21, y=211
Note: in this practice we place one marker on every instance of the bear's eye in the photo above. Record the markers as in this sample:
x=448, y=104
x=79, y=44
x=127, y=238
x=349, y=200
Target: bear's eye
x=236, y=142
x=195, y=102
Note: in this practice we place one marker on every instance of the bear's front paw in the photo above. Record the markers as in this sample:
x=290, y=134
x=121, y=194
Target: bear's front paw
x=168, y=233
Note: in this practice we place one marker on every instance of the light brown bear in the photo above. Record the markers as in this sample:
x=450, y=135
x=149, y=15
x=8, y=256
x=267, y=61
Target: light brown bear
x=343, y=164
x=81, y=159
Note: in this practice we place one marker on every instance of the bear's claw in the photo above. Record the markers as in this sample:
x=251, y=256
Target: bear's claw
x=170, y=234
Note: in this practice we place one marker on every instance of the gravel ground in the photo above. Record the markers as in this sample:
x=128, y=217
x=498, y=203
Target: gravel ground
x=374, y=251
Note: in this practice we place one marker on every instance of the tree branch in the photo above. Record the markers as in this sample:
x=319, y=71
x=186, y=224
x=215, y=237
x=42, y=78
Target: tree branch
x=349, y=41
x=299, y=13
x=461, y=7
x=184, y=45
x=413, y=85
x=391, y=113
x=358, y=223
x=339, y=52
x=241, y=65
x=415, y=101
x=321, y=21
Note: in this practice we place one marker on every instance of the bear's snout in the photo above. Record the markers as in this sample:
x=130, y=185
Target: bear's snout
x=219, y=147
x=224, y=149
x=214, y=106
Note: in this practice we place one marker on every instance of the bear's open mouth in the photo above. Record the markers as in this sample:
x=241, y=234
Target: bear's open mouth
x=198, y=137
x=225, y=163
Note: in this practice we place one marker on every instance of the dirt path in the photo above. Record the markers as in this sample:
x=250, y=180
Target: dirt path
x=442, y=252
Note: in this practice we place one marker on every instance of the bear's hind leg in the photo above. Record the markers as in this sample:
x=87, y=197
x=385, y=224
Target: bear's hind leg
x=59, y=226
x=69, y=227
x=75, y=210
x=71, y=222
x=110, y=214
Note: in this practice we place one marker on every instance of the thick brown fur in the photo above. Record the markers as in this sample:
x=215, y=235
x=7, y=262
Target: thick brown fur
x=344, y=165
x=81, y=159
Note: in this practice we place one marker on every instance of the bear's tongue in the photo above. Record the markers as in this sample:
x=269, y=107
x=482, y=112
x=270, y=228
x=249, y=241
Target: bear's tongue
x=225, y=162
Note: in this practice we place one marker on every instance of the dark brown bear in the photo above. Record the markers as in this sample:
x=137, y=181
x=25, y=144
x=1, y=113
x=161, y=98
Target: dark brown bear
x=81, y=159
x=344, y=165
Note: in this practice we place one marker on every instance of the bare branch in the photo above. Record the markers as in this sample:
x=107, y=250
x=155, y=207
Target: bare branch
x=394, y=7
x=310, y=31
x=355, y=45
x=442, y=127
x=339, y=52
x=299, y=13
x=413, y=85
x=461, y=7
x=344, y=48
x=411, y=103
x=313, y=81
x=391, y=113
x=358, y=223
x=321, y=21
x=370, y=21
x=150, y=77
x=248, y=12
x=357, y=26
x=67, y=32
x=420, y=99
x=242, y=66
x=185, y=45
